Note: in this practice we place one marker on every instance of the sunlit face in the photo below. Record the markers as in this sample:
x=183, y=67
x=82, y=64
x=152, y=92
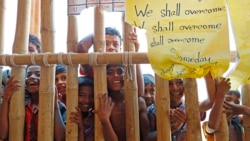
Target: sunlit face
x=115, y=78
x=85, y=98
x=176, y=91
x=149, y=94
x=33, y=78
x=61, y=82
x=32, y=48
x=112, y=43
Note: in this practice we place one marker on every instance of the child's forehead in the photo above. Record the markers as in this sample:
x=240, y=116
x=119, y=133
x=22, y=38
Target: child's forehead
x=34, y=68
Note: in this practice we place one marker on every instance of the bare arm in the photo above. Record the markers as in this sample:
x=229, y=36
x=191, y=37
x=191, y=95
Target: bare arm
x=85, y=44
x=221, y=89
x=11, y=87
x=236, y=109
x=208, y=103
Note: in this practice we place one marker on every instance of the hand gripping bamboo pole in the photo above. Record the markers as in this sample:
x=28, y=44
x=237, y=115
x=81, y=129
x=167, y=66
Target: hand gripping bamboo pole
x=131, y=93
x=47, y=79
x=2, y=27
x=72, y=80
x=17, y=114
x=100, y=78
x=192, y=110
x=246, y=101
x=162, y=100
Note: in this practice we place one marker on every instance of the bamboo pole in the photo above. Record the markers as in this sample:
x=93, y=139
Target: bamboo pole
x=100, y=78
x=131, y=93
x=72, y=80
x=77, y=58
x=35, y=14
x=2, y=27
x=162, y=100
x=17, y=115
x=246, y=101
x=47, y=79
x=192, y=110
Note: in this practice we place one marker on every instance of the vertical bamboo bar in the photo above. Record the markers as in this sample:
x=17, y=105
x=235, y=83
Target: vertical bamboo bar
x=47, y=79
x=131, y=94
x=222, y=133
x=17, y=115
x=162, y=100
x=246, y=101
x=192, y=110
x=35, y=21
x=72, y=81
x=100, y=78
x=2, y=27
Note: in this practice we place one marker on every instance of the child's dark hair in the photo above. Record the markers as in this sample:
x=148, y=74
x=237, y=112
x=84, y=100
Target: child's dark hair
x=60, y=68
x=85, y=81
x=34, y=40
x=114, y=65
x=236, y=92
x=113, y=31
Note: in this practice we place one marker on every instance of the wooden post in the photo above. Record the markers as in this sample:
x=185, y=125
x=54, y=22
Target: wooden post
x=245, y=90
x=16, y=113
x=47, y=79
x=2, y=27
x=35, y=21
x=162, y=100
x=131, y=93
x=192, y=110
x=100, y=77
x=72, y=80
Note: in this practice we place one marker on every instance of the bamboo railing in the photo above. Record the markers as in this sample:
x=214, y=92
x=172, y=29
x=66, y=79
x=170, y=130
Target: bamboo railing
x=2, y=27
x=17, y=115
x=19, y=58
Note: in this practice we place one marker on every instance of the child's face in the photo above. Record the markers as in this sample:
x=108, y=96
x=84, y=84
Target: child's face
x=33, y=78
x=112, y=43
x=115, y=78
x=32, y=48
x=85, y=98
x=61, y=82
x=176, y=91
x=149, y=94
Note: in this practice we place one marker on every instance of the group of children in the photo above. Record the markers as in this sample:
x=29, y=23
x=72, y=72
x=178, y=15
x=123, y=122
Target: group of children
x=111, y=110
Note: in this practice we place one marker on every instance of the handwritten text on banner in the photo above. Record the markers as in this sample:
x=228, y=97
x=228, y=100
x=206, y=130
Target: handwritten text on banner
x=186, y=39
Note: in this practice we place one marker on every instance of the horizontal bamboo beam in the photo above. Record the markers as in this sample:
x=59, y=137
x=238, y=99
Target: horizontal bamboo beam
x=44, y=59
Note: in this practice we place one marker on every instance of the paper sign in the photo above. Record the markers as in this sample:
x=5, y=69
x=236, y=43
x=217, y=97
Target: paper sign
x=186, y=39
x=239, y=11
x=76, y=6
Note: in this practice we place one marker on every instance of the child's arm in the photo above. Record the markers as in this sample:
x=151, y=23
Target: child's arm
x=214, y=118
x=210, y=84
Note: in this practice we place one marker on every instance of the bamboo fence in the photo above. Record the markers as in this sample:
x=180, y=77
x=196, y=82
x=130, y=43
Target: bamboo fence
x=48, y=59
x=17, y=115
x=2, y=25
